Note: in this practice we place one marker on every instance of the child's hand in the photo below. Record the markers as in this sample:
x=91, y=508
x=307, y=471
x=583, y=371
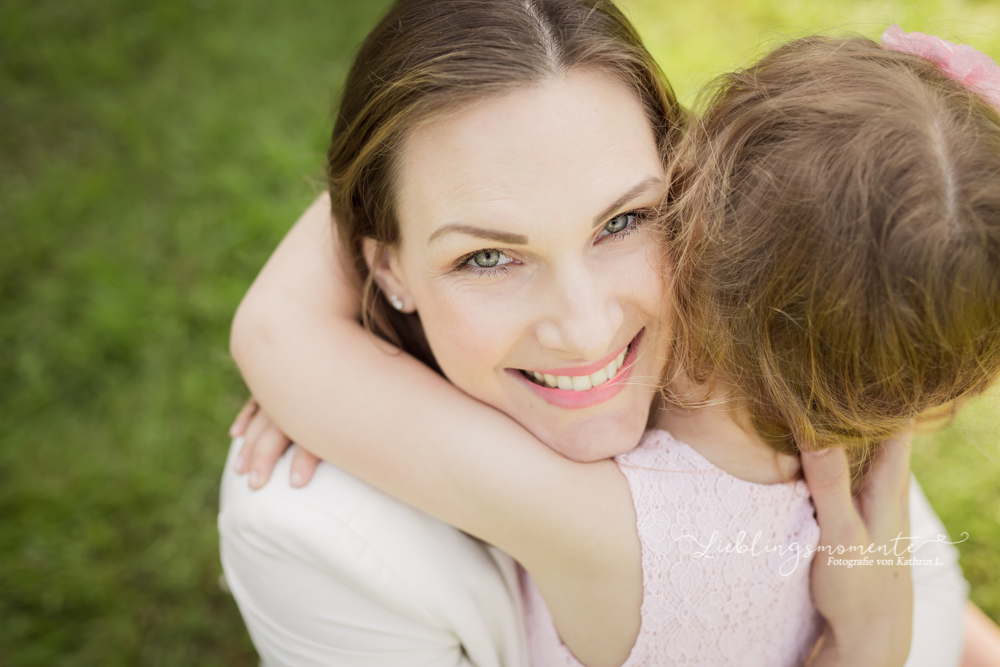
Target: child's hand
x=869, y=607
x=263, y=444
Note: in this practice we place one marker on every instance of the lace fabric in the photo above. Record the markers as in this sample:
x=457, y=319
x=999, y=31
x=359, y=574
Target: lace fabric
x=724, y=561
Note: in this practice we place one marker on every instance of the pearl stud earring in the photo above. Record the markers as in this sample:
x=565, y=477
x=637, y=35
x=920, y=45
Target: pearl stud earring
x=396, y=302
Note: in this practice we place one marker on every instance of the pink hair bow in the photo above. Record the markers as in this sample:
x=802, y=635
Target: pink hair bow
x=961, y=62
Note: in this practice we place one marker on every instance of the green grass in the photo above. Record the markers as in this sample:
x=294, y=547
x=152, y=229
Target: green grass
x=151, y=156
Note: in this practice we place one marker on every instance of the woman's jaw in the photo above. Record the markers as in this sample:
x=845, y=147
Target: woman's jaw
x=591, y=424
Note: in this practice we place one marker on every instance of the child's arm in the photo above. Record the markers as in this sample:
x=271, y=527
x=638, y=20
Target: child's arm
x=396, y=424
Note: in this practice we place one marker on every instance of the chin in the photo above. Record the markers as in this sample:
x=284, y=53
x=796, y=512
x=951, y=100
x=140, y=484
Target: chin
x=595, y=439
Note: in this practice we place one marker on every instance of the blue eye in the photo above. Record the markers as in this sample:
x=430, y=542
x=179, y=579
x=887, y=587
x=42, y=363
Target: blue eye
x=485, y=262
x=621, y=224
x=487, y=259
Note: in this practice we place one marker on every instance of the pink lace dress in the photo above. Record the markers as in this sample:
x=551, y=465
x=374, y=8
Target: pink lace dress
x=725, y=567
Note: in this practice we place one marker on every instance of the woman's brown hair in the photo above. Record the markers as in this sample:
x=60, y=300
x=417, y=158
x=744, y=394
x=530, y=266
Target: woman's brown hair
x=431, y=56
x=835, y=230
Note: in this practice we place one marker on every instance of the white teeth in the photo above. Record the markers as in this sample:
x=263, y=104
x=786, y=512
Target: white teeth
x=581, y=382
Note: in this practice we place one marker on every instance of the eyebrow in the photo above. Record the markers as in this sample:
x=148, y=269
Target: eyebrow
x=479, y=232
x=521, y=239
x=636, y=190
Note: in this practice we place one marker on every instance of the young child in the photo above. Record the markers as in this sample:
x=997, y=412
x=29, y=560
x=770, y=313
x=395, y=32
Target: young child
x=833, y=232
x=833, y=240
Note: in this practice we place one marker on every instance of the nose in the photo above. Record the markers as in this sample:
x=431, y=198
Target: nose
x=584, y=313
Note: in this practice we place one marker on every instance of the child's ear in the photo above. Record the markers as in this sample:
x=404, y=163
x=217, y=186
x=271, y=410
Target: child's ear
x=384, y=264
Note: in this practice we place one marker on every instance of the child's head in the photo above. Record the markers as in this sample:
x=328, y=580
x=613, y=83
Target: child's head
x=835, y=229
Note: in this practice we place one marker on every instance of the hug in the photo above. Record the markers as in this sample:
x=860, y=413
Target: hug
x=550, y=329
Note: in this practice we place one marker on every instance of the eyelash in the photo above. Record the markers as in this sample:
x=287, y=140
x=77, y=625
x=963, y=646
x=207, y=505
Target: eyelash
x=480, y=272
x=641, y=216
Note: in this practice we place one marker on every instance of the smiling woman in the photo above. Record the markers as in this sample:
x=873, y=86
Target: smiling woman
x=496, y=182
x=577, y=278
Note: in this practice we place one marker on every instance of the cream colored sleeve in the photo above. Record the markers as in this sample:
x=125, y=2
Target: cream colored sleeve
x=939, y=589
x=338, y=573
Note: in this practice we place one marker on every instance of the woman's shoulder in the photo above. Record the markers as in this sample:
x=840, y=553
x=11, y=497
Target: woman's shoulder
x=338, y=533
x=339, y=521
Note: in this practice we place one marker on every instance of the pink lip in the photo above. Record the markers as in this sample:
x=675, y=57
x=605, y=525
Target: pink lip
x=581, y=370
x=575, y=400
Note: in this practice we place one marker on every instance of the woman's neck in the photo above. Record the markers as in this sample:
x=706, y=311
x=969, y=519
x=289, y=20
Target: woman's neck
x=720, y=429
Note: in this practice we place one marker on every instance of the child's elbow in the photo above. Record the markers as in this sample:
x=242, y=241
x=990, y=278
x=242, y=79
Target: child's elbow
x=248, y=331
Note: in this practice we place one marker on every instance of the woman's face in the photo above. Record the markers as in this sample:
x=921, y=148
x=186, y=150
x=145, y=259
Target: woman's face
x=525, y=251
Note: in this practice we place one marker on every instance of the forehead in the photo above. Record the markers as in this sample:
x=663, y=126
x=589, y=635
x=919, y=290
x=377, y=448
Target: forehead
x=558, y=150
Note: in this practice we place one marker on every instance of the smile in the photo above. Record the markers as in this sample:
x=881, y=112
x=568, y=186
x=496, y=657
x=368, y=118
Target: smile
x=578, y=381
x=583, y=386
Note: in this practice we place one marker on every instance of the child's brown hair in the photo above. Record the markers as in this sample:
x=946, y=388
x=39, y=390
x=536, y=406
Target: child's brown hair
x=834, y=226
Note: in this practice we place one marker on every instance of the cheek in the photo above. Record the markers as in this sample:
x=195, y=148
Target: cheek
x=471, y=336
x=643, y=286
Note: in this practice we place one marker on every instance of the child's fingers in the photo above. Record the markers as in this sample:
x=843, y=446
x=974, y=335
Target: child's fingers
x=259, y=422
x=271, y=444
x=304, y=465
x=829, y=479
x=890, y=470
x=243, y=418
x=240, y=466
x=885, y=495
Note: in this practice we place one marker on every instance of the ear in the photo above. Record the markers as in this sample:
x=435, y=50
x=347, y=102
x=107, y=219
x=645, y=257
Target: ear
x=383, y=262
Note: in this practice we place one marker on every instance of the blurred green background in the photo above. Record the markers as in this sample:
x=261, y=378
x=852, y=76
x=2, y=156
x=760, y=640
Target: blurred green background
x=151, y=156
